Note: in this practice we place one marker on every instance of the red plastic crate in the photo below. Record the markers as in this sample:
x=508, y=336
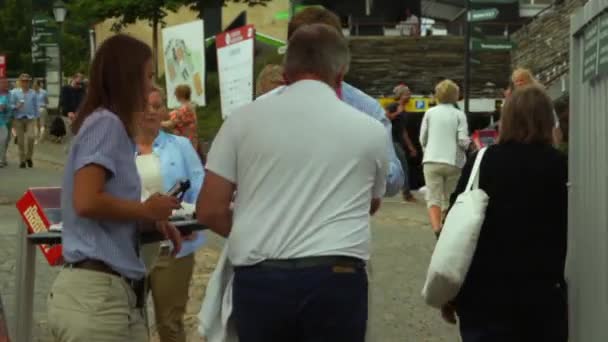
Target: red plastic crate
x=34, y=206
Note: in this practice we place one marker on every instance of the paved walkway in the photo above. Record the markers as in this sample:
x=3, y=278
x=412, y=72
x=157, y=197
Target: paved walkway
x=402, y=244
x=13, y=185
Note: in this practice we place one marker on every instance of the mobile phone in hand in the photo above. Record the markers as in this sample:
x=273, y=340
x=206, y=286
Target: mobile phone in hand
x=392, y=107
x=179, y=189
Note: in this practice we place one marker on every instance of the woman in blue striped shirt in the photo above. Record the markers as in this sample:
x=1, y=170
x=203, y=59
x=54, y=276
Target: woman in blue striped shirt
x=96, y=297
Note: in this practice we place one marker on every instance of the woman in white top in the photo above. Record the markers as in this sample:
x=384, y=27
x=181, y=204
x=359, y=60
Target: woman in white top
x=162, y=160
x=444, y=136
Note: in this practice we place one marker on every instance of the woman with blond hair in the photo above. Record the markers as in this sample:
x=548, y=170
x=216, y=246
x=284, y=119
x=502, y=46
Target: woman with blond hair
x=514, y=289
x=270, y=78
x=162, y=160
x=444, y=136
x=522, y=77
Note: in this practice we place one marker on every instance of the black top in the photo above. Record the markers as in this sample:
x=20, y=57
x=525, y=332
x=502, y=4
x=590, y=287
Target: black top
x=70, y=99
x=521, y=250
x=398, y=124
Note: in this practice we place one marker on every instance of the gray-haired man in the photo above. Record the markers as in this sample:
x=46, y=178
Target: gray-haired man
x=309, y=170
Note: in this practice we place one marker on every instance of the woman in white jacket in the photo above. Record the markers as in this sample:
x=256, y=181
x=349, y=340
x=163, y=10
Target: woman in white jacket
x=444, y=136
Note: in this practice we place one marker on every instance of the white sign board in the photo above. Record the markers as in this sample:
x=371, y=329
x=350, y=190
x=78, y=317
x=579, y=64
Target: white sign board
x=184, y=52
x=235, y=50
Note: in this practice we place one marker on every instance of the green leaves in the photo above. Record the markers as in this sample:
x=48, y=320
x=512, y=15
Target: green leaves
x=16, y=28
x=129, y=11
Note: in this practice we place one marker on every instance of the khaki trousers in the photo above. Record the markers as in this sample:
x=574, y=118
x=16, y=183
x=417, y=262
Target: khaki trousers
x=93, y=306
x=441, y=181
x=169, y=282
x=26, y=134
x=43, y=124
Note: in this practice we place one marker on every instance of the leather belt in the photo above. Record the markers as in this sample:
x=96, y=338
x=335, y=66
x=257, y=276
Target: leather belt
x=308, y=262
x=95, y=265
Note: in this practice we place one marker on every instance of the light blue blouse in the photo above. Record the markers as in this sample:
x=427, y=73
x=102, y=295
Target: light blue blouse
x=179, y=160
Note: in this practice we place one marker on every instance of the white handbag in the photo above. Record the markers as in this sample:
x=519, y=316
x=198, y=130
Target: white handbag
x=457, y=243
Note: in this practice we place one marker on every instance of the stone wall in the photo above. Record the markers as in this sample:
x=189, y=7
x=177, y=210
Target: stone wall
x=380, y=63
x=543, y=45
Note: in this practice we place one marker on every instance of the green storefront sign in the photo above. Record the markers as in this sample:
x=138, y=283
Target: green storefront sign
x=491, y=45
x=603, y=45
x=483, y=14
x=590, y=50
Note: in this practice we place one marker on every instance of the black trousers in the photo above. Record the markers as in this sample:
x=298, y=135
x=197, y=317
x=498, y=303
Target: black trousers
x=542, y=317
x=314, y=304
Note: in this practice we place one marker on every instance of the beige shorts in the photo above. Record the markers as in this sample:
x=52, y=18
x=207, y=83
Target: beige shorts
x=441, y=181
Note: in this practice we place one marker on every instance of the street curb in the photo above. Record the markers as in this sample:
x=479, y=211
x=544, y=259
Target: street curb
x=49, y=161
x=41, y=154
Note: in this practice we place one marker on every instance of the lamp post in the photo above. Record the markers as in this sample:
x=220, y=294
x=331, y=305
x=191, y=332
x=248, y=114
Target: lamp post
x=60, y=12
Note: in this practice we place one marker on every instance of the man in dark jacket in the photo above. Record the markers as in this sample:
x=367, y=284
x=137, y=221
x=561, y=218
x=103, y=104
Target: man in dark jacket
x=71, y=96
x=69, y=100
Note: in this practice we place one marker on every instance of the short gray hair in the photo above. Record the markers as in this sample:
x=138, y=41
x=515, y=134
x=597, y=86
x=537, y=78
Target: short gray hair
x=317, y=49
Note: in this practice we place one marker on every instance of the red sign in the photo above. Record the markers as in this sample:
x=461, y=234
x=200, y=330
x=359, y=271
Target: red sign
x=235, y=36
x=2, y=66
x=485, y=137
x=31, y=207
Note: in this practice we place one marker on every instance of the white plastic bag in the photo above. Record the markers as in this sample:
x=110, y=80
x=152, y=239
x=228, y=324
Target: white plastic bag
x=457, y=243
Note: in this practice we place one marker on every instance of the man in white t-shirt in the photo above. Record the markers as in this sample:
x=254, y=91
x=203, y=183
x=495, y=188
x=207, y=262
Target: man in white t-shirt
x=310, y=170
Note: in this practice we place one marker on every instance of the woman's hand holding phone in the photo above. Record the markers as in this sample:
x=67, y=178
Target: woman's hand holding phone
x=160, y=207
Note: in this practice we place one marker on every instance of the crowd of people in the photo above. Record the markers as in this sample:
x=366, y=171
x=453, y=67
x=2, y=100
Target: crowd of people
x=24, y=115
x=291, y=181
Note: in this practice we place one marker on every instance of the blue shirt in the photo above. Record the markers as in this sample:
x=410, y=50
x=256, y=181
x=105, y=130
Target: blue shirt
x=30, y=108
x=103, y=140
x=42, y=98
x=370, y=106
x=5, y=116
x=179, y=160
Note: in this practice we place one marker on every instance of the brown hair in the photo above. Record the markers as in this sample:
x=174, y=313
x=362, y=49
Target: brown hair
x=562, y=109
x=183, y=91
x=313, y=15
x=527, y=117
x=118, y=66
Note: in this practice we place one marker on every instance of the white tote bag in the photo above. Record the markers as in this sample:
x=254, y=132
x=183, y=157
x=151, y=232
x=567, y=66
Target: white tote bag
x=456, y=245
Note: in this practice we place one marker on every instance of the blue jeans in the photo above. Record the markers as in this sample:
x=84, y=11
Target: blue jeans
x=316, y=304
x=5, y=137
x=401, y=155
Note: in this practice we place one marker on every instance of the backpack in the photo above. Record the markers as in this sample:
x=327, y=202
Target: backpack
x=57, y=127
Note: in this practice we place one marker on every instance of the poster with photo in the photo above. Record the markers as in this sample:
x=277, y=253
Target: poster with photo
x=184, y=53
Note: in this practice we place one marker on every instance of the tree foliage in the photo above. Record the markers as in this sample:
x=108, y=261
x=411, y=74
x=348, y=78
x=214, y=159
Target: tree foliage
x=16, y=29
x=129, y=11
